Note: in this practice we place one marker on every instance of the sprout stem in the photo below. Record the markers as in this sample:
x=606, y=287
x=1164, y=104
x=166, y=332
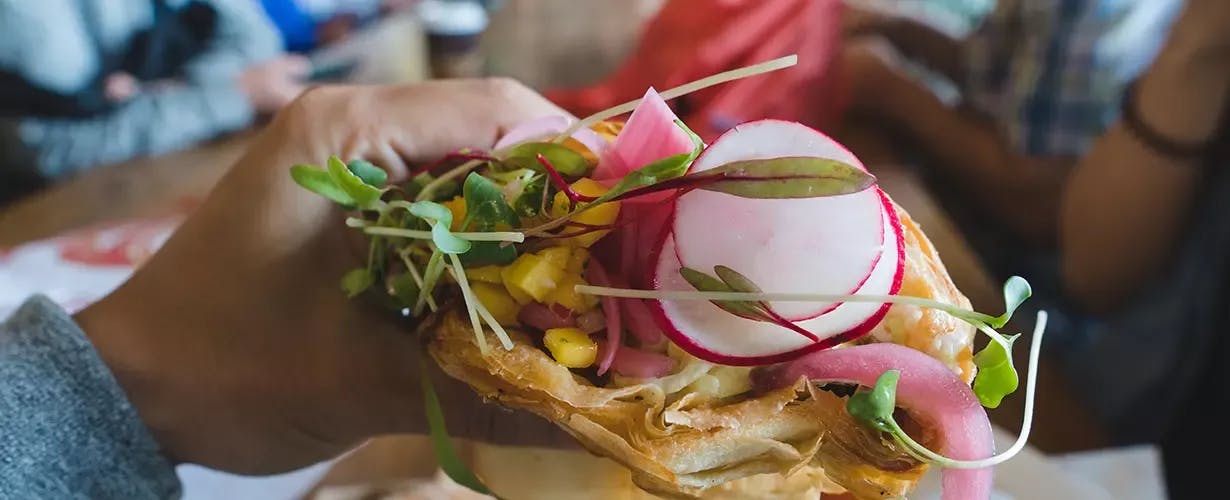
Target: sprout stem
x=509, y=236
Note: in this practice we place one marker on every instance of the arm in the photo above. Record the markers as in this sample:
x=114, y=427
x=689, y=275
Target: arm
x=63, y=415
x=210, y=101
x=912, y=38
x=1125, y=195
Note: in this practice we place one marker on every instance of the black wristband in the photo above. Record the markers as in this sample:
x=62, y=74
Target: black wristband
x=1153, y=139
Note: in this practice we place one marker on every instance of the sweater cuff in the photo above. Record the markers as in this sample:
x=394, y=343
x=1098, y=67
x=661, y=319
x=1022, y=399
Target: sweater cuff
x=68, y=428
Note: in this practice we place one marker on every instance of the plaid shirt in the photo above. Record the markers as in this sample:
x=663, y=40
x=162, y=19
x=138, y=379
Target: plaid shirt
x=1052, y=72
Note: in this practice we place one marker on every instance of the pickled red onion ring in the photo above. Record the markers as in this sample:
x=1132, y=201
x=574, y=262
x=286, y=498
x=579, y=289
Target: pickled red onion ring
x=545, y=128
x=932, y=393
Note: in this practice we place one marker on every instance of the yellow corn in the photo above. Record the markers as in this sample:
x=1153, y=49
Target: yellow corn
x=485, y=274
x=531, y=278
x=600, y=215
x=571, y=347
x=566, y=295
x=458, y=207
x=497, y=301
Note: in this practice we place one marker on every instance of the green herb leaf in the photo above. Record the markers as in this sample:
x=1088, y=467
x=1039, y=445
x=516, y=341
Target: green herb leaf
x=485, y=204
x=356, y=281
x=707, y=283
x=486, y=210
x=568, y=162
x=364, y=195
x=874, y=407
x=370, y=174
x=737, y=282
x=446, y=456
x=405, y=289
x=529, y=203
x=440, y=218
x=1016, y=291
x=997, y=376
x=787, y=177
x=319, y=181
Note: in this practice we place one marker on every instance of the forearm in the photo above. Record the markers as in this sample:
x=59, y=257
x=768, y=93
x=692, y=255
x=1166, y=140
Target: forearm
x=1125, y=195
x=925, y=44
x=69, y=432
x=1018, y=191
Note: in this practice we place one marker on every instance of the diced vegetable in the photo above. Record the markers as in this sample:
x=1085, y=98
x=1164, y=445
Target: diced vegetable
x=556, y=256
x=457, y=206
x=497, y=301
x=485, y=274
x=577, y=261
x=571, y=347
x=531, y=278
x=601, y=215
x=566, y=295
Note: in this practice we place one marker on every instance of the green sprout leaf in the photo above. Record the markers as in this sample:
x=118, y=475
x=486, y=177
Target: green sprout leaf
x=874, y=407
x=787, y=177
x=486, y=210
x=446, y=456
x=997, y=376
x=356, y=281
x=365, y=196
x=370, y=174
x=405, y=288
x=319, y=181
x=729, y=280
x=440, y=219
x=1016, y=291
x=530, y=202
x=568, y=162
x=486, y=205
x=707, y=283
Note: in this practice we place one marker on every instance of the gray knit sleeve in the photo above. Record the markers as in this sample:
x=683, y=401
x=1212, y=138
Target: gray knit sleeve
x=67, y=431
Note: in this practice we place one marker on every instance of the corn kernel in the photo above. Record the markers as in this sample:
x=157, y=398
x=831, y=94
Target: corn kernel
x=571, y=347
x=458, y=207
x=498, y=302
x=485, y=274
x=531, y=278
x=566, y=295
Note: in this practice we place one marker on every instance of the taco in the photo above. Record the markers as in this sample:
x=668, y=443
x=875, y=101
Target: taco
x=751, y=318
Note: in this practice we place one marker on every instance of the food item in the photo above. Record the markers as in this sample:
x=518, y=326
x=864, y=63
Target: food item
x=775, y=268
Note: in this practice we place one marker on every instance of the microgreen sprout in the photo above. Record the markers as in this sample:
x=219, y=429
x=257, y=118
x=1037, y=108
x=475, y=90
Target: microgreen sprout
x=874, y=408
x=998, y=380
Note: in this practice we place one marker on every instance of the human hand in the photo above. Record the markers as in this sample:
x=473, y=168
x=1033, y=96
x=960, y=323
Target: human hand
x=120, y=86
x=275, y=83
x=235, y=343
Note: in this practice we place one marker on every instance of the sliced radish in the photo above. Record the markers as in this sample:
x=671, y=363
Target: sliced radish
x=932, y=393
x=709, y=333
x=824, y=245
x=545, y=128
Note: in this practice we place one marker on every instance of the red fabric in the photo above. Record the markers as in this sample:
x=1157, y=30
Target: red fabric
x=692, y=39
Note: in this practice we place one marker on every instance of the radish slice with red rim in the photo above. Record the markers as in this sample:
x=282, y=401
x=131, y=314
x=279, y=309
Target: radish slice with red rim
x=826, y=245
x=707, y=332
x=932, y=393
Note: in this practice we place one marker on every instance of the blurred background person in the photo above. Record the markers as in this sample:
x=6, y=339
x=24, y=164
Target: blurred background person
x=1036, y=82
x=88, y=82
x=1146, y=250
x=308, y=24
